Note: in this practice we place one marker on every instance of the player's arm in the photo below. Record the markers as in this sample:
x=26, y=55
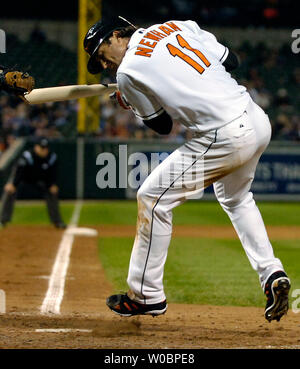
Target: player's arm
x=231, y=62
x=144, y=105
x=162, y=124
x=17, y=175
x=20, y=170
x=222, y=53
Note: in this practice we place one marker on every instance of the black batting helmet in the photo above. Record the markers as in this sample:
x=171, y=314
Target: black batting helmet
x=97, y=34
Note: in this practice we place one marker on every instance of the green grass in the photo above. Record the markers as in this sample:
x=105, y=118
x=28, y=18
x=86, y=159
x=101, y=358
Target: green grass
x=202, y=271
x=114, y=254
x=109, y=212
x=30, y=213
x=190, y=213
x=125, y=212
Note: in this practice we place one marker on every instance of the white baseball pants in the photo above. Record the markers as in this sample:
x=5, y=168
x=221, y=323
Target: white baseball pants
x=227, y=158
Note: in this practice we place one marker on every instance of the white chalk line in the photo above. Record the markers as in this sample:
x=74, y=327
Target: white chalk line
x=2, y=302
x=76, y=213
x=62, y=330
x=56, y=286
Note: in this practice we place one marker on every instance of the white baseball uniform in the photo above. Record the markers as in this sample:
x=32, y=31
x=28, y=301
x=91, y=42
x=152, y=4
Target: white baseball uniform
x=176, y=67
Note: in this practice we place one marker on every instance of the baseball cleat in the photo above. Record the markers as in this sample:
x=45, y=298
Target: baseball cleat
x=277, y=291
x=124, y=306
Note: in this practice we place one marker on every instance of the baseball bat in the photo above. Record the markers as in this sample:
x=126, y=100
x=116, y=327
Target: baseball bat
x=62, y=93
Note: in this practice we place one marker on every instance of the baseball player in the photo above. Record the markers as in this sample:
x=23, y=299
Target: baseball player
x=37, y=167
x=178, y=71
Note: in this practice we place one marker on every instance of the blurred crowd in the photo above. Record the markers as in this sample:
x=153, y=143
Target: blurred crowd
x=282, y=13
x=18, y=119
x=269, y=13
x=232, y=13
x=272, y=78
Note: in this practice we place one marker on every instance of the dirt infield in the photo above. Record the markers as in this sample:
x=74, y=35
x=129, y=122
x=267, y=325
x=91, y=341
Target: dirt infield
x=27, y=256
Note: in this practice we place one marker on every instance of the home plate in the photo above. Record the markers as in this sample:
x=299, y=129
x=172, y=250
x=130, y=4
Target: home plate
x=62, y=330
x=81, y=231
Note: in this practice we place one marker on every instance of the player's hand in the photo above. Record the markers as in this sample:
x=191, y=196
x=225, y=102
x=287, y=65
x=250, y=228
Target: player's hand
x=10, y=188
x=118, y=97
x=53, y=189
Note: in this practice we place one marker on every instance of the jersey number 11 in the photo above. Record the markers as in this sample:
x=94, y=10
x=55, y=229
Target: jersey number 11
x=174, y=51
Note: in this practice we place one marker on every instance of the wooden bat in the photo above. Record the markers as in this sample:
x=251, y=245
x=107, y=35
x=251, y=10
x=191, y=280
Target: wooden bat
x=62, y=93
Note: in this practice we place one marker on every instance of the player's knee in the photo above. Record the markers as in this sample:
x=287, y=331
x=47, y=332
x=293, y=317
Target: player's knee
x=139, y=195
x=231, y=203
x=142, y=202
x=142, y=194
x=145, y=199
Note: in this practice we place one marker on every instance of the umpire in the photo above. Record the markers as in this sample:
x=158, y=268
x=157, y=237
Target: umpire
x=37, y=167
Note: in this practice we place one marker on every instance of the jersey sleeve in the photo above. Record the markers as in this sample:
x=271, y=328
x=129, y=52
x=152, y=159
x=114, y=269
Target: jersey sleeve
x=216, y=48
x=144, y=105
x=210, y=42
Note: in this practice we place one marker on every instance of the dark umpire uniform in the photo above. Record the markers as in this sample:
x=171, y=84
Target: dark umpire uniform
x=37, y=167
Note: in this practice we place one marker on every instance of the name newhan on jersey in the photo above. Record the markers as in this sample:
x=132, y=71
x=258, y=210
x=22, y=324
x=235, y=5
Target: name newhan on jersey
x=156, y=36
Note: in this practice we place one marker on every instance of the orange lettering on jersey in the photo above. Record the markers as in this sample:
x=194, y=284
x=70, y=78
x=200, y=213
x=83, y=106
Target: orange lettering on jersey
x=152, y=37
x=155, y=36
x=147, y=43
x=184, y=44
x=143, y=51
x=167, y=30
x=159, y=34
x=173, y=26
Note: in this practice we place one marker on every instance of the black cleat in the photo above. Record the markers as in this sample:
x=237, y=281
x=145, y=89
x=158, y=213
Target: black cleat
x=124, y=306
x=277, y=290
